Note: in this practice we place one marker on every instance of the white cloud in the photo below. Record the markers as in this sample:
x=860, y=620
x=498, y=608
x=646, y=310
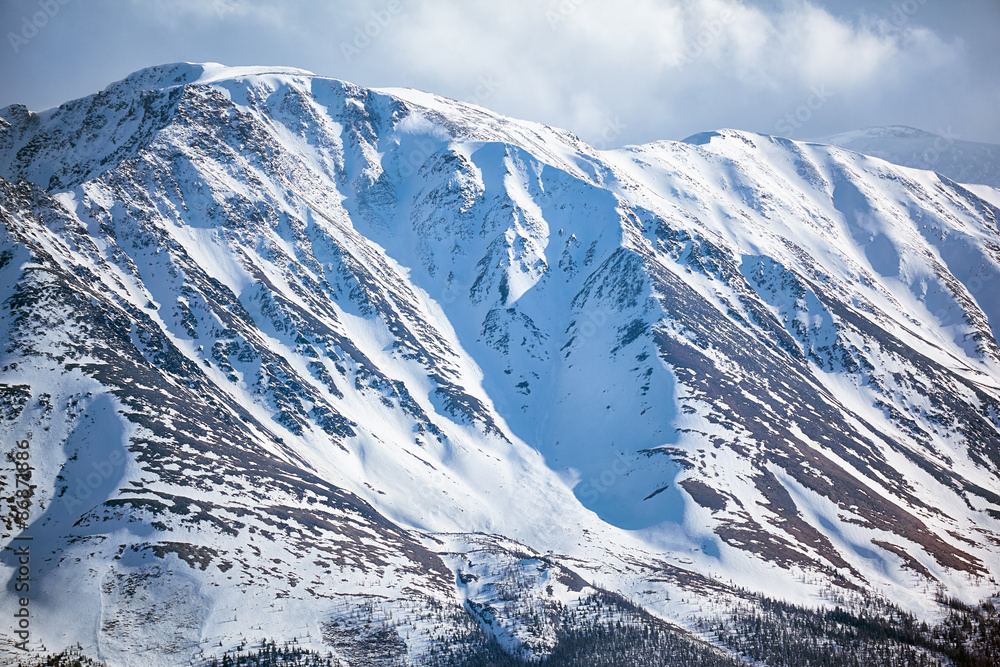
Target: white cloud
x=180, y=13
x=577, y=62
x=664, y=68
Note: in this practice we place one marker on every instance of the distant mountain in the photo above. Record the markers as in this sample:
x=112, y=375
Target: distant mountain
x=393, y=378
x=947, y=154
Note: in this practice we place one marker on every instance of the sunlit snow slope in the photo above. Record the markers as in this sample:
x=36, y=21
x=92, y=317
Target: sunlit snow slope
x=285, y=349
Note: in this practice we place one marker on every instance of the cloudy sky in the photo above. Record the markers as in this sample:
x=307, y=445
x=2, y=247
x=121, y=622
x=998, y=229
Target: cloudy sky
x=613, y=71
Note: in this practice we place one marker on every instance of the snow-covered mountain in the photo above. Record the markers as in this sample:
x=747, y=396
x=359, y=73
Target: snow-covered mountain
x=407, y=380
x=945, y=153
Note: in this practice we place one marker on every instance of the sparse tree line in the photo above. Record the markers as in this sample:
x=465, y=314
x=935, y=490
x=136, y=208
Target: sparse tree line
x=606, y=630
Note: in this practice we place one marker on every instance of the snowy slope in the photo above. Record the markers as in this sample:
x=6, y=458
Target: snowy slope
x=293, y=355
x=946, y=153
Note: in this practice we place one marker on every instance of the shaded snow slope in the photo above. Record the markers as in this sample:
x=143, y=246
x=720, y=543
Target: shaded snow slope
x=945, y=153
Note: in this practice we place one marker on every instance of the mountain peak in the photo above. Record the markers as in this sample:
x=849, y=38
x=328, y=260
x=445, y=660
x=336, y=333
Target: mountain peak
x=182, y=73
x=705, y=138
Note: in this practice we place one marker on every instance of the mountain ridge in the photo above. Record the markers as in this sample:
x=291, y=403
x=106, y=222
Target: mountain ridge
x=420, y=331
x=945, y=151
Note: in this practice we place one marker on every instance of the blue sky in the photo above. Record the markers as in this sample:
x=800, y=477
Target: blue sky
x=614, y=72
